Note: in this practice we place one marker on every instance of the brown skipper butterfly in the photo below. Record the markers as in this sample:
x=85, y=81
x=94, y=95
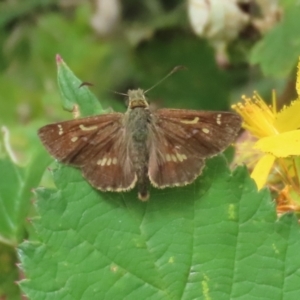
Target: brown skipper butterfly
x=166, y=147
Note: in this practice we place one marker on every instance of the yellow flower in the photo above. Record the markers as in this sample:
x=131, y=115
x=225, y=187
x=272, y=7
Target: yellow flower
x=277, y=133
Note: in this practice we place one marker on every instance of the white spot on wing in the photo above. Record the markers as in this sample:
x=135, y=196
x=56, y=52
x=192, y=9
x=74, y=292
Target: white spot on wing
x=194, y=121
x=179, y=156
x=103, y=161
x=205, y=130
x=85, y=128
x=60, y=129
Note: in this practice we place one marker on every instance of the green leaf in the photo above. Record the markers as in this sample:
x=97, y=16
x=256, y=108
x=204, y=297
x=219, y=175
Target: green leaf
x=215, y=239
x=16, y=186
x=9, y=273
x=278, y=52
x=73, y=93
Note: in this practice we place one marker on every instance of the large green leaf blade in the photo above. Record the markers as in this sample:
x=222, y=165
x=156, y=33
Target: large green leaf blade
x=217, y=239
x=16, y=184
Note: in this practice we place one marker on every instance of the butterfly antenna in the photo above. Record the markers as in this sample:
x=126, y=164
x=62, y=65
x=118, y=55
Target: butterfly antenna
x=85, y=83
x=118, y=93
x=174, y=70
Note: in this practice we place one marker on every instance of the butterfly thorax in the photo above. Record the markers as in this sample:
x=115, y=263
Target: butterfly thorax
x=137, y=99
x=138, y=117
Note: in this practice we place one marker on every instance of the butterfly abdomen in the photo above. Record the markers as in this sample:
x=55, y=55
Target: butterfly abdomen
x=139, y=131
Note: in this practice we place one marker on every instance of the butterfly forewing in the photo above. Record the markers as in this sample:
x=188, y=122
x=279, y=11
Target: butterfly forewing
x=182, y=141
x=110, y=168
x=207, y=132
x=67, y=140
x=95, y=144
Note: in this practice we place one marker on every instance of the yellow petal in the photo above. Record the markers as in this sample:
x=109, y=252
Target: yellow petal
x=262, y=169
x=298, y=79
x=257, y=116
x=288, y=118
x=280, y=145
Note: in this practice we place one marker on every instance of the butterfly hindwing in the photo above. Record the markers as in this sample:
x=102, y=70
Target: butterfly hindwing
x=172, y=165
x=111, y=169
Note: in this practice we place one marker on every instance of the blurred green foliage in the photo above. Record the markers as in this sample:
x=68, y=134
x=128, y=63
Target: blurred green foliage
x=150, y=39
x=280, y=48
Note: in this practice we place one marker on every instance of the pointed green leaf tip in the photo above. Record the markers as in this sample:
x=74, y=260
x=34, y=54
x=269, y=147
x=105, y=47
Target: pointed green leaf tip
x=58, y=59
x=74, y=96
x=215, y=239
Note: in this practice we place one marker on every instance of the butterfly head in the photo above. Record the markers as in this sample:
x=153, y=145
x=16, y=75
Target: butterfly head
x=137, y=99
